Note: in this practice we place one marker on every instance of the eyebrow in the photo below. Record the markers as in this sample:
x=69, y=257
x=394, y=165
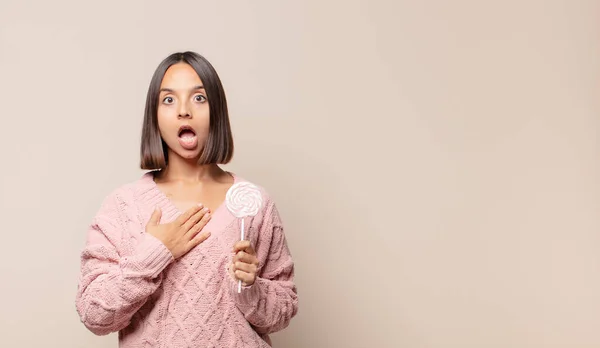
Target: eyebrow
x=169, y=90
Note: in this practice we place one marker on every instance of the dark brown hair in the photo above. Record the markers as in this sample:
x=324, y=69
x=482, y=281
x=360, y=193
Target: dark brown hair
x=218, y=148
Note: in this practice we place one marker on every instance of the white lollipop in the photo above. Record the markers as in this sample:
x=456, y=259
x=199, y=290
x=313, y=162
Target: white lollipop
x=243, y=199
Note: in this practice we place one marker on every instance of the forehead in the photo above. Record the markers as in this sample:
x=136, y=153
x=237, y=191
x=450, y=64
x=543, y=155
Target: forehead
x=180, y=75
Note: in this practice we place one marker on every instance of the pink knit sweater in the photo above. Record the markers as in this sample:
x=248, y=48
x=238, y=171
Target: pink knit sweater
x=130, y=282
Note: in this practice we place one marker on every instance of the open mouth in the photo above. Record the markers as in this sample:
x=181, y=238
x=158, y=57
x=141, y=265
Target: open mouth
x=186, y=131
x=187, y=137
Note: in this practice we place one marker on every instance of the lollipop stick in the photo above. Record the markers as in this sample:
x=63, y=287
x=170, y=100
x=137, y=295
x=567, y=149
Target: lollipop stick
x=242, y=229
x=242, y=238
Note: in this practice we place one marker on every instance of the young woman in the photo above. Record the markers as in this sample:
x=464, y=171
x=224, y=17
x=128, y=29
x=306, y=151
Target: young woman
x=163, y=255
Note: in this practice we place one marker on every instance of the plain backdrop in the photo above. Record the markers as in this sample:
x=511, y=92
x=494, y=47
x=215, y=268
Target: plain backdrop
x=436, y=163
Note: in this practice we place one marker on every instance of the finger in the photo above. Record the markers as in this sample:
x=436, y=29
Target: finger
x=246, y=253
x=155, y=217
x=188, y=214
x=237, y=256
x=191, y=233
x=244, y=267
x=246, y=278
x=193, y=220
x=243, y=245
x=245, y=258
x=198, y=239
x=231, y=270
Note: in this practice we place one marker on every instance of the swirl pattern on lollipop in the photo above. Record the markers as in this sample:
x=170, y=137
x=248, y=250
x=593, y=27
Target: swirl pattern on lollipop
x=243, y=199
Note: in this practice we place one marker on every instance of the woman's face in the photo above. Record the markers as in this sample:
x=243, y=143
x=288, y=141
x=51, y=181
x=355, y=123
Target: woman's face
x=183, y=112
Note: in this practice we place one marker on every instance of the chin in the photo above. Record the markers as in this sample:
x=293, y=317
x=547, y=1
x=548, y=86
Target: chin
x=190, y=154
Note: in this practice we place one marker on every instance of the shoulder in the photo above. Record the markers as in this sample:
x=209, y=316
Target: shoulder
x=127, y=194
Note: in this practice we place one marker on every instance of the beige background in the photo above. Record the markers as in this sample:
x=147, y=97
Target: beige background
x=436, y=162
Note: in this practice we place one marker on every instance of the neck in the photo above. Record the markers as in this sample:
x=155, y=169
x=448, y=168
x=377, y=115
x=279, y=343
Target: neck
x=181, y=169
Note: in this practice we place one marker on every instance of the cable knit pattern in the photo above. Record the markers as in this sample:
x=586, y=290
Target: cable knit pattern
x=131, y=284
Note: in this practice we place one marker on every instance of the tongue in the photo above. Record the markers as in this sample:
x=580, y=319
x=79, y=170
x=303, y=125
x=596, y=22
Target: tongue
x=188, y=140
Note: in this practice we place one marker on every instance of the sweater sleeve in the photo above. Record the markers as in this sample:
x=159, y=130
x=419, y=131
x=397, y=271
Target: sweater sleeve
x=112, y=287
x=272, y=301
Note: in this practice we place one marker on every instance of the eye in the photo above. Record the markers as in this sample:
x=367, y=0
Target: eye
x=168, y=100
x=199, y=98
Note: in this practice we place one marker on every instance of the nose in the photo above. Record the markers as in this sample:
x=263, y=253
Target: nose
x=184, y=111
